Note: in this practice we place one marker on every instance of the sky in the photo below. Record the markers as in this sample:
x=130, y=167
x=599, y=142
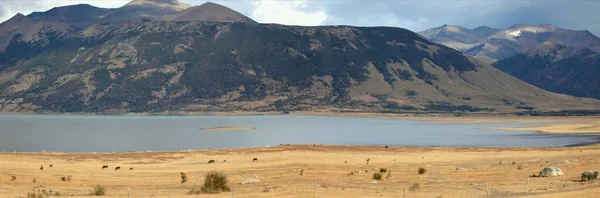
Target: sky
x=414, y=15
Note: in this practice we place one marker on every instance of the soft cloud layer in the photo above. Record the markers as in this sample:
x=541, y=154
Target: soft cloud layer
x=296, y=12
x=413, y=15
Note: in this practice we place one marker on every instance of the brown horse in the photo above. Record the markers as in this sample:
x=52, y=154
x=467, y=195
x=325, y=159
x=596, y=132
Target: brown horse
x=211, y=161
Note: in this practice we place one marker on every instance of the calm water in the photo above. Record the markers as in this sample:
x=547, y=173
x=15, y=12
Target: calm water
x=170, y=133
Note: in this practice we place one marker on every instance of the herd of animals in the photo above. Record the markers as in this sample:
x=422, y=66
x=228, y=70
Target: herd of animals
x=119, y=168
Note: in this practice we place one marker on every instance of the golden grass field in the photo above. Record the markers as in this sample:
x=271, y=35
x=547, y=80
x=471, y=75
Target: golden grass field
x=452, y=172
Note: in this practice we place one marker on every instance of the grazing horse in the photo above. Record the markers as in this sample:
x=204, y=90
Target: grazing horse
x=118, y=168
x=255, y=159
x=51, y=165
x=105, y=166
x=211, y=161
x=131, y=168
x=42, y=167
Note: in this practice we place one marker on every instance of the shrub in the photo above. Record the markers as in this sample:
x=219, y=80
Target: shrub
x=63, y=178
x=99, y=190
x=415, y=187
x=368, y=161
x=215, y=182
x=383, y=170
x=13, y=178
x=266, y=189
x=422, y=171
x=183, y=177
x=377, y=176
x=302, y=172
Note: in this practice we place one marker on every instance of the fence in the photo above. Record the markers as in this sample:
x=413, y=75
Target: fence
x=313, y=189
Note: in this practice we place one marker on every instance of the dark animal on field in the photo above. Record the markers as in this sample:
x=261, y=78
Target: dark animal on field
x=211, y=161
x=131, y=168
x=224, y=161
x=255, y=159
x=118, y=168
x=105, y=166
x=51, y=165
x=42, y=167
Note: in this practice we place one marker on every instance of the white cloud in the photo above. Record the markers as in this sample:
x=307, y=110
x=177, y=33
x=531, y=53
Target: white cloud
x=292, y=12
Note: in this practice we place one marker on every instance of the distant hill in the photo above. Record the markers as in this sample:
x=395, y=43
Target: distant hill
x=208, y=12
x=222, y=61
x=491, y=45
x=145, y=9
x=79, y=16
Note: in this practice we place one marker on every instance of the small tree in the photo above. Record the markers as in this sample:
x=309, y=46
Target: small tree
x=215, y=182
x=183, y=177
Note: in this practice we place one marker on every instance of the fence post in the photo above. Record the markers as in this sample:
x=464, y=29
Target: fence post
x=315, y=189
x=404, y=192
x=19, y=195
x=128, y=189
x=232, y=191
x=487, y=188
x=528, y=185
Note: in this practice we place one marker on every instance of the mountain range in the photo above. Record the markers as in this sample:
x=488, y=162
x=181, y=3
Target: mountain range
x=163, y=55
x=552, y=58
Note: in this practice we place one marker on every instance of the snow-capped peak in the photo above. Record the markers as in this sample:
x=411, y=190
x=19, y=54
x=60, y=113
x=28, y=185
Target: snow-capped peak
x=516, y=33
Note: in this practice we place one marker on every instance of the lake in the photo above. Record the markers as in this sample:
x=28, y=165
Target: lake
x=83, y=133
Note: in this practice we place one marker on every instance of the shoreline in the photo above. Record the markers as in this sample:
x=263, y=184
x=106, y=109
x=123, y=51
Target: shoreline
x=310, y=147
x=591, y=127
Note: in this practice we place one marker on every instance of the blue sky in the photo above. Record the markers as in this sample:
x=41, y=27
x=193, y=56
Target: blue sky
x=410, y=14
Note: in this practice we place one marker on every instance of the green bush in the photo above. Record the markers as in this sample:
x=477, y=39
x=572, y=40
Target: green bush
x=422, y=171
x=215, y=182
x=99, y=190
x=377, y=176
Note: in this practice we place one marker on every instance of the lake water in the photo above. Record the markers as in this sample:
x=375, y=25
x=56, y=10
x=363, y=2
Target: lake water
x=67, y=133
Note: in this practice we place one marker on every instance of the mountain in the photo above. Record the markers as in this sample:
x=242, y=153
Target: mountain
x=79, y=16
x=491, y=44
x=146, y=66
x=207, y=60
x=145, y=9
x=558, y=69
x=209, y=12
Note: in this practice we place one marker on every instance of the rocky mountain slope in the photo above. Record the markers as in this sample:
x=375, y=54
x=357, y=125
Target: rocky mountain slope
x=157, y=66
x=563, y=70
